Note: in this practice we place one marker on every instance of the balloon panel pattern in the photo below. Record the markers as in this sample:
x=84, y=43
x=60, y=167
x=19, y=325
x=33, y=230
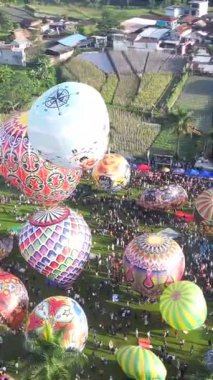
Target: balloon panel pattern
x=183, y=306
x=56, y=242
x=112, y=172
x=141, y=364
x=13, y=301
x=204, y=205
x=22, y=166
x=65, y=318
x=69, y=125
x=151, y=262
x=163, y=198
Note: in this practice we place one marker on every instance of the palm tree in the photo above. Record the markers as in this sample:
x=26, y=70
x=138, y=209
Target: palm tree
x=182, y=124
x=208, y=143
x=47, y=360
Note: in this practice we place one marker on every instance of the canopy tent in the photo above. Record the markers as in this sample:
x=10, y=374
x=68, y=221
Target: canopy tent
x=199, y=173
x=143, y=167
x=178, y=171
x=170, y=233
x=187, y=217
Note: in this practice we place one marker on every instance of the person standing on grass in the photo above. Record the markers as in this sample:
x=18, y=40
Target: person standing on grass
x=136, y=333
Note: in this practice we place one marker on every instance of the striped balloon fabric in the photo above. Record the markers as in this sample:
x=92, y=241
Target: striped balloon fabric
x=138, y=363
x=204, y=205
x=183, y=306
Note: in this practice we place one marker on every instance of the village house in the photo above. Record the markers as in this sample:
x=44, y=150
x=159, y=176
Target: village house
x=202, y=63
x=11, y=55
x=64, y=47
x=162, y=21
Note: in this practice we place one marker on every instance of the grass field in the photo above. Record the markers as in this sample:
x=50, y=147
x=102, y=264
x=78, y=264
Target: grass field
x=165, y=143
x=13, y=345
x=81, y=12
x=197, y=96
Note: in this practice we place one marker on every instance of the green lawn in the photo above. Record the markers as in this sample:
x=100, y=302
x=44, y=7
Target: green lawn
x=197, y=96
x=165, y=143
x=81, y=12
x=13, y=345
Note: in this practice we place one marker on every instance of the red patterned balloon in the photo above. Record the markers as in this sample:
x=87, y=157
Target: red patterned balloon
x=22, y=167
x=13, y=301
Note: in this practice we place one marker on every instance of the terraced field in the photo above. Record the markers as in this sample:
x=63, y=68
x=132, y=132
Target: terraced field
x=83, y=71
x=152, y=87
x=126, y=90
x=109, y=88
x=119, y=63
x=130, y=135
x=197, y=96
x=137, y=59
x=142, y=78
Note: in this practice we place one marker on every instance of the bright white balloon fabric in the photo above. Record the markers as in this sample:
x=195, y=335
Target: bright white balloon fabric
x=69, y=125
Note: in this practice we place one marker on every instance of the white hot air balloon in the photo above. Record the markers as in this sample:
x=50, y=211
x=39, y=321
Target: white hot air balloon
x=69, y=125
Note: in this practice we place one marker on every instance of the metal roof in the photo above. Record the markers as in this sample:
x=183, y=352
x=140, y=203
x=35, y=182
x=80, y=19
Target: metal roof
x=72, y=40
x=58, y=49
x=155, y=33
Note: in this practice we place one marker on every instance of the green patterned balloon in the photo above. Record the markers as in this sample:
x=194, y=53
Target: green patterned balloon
x=140, y=364
x=183, y=306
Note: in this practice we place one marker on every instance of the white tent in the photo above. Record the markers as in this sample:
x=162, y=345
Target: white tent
x=170, y=233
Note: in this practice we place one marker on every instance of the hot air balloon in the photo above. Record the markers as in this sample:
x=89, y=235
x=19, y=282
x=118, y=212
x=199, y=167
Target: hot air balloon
x=6, y=246
x=13, y=301
x=166, y=197
x=112, y=172
x=5, y=376
x=204, y=205
x=56, y=242
x=183, y=306
x=140, y=364
x=69, y=125
x=59, y=317
x=22, y=167
x=151, y=262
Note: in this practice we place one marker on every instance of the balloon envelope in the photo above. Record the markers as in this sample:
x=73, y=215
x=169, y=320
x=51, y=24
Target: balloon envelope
x=69, y=125
x=22, y=167
x=183, y=306
x=13, y=301
x=138, y=363
x=151, y=262
x=204, y=205
x=64, y=318
x=112, y=172
x=56, y=242
x=166, y=197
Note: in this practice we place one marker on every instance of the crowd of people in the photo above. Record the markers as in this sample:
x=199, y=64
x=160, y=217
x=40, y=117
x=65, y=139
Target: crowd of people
x=121, y=219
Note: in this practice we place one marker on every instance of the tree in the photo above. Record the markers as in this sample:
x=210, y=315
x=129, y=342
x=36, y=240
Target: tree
x=47, y=360
x=182, y=124
x=107, y=22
